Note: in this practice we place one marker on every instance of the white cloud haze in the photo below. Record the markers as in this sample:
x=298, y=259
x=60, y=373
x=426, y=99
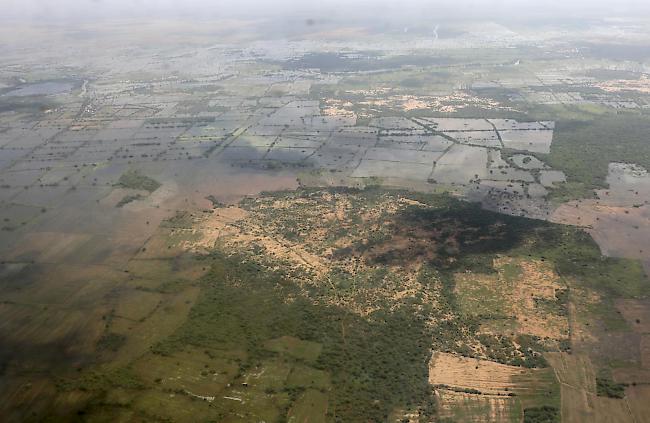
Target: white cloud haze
x=79, y=9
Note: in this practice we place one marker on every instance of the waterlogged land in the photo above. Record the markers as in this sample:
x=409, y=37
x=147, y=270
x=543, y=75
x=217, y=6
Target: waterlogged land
x=269, y=231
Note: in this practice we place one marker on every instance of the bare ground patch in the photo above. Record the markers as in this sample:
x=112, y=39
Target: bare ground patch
x=475, y=408
x=464, y=373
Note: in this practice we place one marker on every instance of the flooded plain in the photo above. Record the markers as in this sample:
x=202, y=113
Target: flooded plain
x=109, y=187
x=41, y=88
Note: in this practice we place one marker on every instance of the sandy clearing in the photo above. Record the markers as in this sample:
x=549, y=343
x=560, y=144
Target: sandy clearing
x=220, y=223
x=520, y=299
x=276, y=248
x=538, y=281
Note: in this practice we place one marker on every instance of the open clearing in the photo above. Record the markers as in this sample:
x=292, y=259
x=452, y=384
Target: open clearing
x=522, y=295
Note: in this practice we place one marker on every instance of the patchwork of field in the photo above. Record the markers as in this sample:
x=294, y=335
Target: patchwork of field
x=43, y=162
x=264, y=230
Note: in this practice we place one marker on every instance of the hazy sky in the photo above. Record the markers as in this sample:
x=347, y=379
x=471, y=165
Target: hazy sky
x=109, y=9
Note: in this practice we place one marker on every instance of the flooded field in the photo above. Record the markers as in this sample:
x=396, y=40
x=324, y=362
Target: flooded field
x=619, y=220
x=41, y=88
x=209, y=230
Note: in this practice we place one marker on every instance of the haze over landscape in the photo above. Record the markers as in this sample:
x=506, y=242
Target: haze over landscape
x=343, y=211
x=367, y=11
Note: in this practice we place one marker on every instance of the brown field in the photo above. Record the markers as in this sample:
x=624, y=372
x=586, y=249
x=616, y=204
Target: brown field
x=573, y=370
x=474, y=408
x=577, y=376
x=475, y=390
x=641, y=85
x=644, y=350
x=631, y=375
x=637, y=400
x=469, y=373
x=47, y=247
x=581, y=406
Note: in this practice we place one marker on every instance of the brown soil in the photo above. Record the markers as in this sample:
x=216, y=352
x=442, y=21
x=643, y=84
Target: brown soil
x=468, y=373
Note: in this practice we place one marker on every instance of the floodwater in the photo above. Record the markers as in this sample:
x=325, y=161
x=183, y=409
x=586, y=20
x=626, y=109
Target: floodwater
x=41, y=88
x=619, y=221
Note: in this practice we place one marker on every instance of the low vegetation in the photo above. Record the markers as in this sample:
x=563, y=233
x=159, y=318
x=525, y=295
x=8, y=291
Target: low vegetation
x=135, y=180
x=111, y=342
x=608, y=388
x=129, y=199
x=541, y=415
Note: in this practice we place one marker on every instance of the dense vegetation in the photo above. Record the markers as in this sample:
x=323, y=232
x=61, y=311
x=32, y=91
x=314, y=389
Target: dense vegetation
x=128, y=199
x=375, y=365
x=584, y=149
x=606, y=387
x=135, y=180
x=543, y=414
